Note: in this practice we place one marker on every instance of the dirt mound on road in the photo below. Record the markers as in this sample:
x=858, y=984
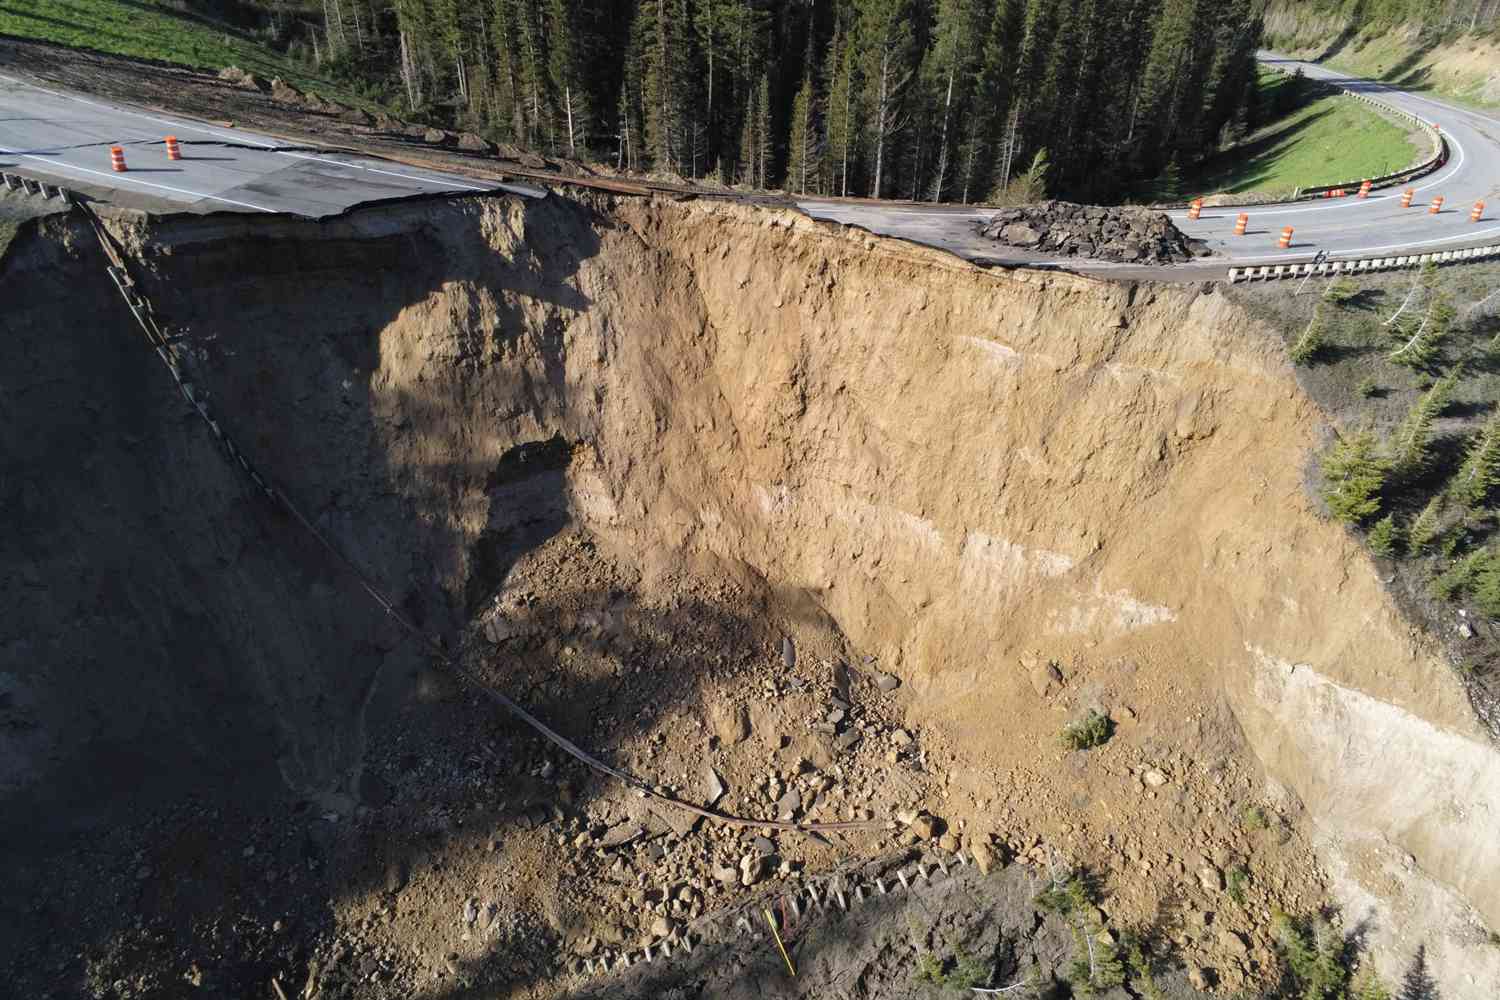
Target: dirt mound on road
x=1126, y=235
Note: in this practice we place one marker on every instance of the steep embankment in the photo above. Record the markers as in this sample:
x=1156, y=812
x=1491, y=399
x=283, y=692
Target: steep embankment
x=1431, y=51
x=969, y=473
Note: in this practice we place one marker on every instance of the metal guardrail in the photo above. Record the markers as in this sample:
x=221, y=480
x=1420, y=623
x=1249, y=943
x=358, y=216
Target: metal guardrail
x=1272, y=272
x=1433, y=162
x=31, y=186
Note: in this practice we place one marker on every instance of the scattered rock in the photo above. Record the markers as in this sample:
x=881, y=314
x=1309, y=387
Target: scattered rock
x=887, y=682
x=237, y=77
x=788, y=653
x=621, y=834
x=435, y=137
x=984, y=858
x=1201, y=978
x=1128, y=235
x=752, y=869
x=764, y=846
x=713, y=787
x=1154, y=778
x=901, y=738
x=788, y=805
x=1045, y=677
x=474, y=143
x=1210, y=878
x=849, y=739
x=925, y=826
x=284, y=93
x=1232, y=942
x=662, y=927
x=731, y=723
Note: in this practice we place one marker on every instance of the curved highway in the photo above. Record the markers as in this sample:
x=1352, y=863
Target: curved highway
x=1343, y=228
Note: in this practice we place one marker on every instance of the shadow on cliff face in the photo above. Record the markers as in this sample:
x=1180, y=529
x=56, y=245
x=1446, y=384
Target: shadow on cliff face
x=176, y=646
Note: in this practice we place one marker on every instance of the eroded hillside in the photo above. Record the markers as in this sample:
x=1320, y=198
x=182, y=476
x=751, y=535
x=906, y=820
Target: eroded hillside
x=614, y=452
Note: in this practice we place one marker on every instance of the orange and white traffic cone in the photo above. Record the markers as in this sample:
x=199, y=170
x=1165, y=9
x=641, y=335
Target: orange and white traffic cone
x=117, y=159
x=1240, y=222
x=1478, y=212
x=1436, y=206
x=1195, y=209
x=174, y=152
x=1407, y=196
x=1364, y=189
x=1286, y=238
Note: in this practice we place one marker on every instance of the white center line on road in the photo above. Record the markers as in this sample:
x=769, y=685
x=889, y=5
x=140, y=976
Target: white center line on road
x=124, y=178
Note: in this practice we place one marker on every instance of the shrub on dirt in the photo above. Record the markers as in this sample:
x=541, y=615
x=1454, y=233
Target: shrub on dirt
x=1091, y=731
x=1340, y=290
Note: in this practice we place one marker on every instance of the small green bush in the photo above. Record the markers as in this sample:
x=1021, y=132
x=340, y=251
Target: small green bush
x=1091, y=731
x=1340, y=290
x=1255, y=818
x=1383, y=538
x=1312, y=342
x=1235, y=881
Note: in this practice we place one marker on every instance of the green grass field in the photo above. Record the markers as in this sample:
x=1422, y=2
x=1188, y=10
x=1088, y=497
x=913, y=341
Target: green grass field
x=1328, y=140
x=146, y=29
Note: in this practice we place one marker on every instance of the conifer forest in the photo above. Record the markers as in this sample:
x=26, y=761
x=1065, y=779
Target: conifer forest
x=942, y=100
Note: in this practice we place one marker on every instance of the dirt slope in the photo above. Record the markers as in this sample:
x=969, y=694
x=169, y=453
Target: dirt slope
x=614, y=451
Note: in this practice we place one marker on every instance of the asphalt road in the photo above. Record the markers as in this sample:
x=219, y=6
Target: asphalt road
x=1343, y=228
x=65, y=139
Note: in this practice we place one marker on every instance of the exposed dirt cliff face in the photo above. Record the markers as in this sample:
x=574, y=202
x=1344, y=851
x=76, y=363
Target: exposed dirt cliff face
x=963, y=474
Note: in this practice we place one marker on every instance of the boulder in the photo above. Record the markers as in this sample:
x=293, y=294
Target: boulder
x=285, y=93
x=474, y=143
x=236, y=77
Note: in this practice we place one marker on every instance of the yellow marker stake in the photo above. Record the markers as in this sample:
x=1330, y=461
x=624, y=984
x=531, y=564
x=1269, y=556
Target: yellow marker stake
x=770, y=920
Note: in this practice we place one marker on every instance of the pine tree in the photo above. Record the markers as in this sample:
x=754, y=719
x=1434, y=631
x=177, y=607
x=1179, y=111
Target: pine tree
x=1310, y=343
x=1409, y=446
x=1383, y=536
x=1480, y=473
x=841, y=134
x=566, y=76
x=1424, y=528
x=802, y=140
x=1353, y=474
x=885, y=40
x=948, y=72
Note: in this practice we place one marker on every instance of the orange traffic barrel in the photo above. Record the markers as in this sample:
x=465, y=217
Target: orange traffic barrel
x=1437, y=206
x=1478, y=212
x=174, y=152
x=117, y=159
x=1240, y=222
x=1286, y=238
x=1364, y=189
x=1195, y=209
x=1407, y=196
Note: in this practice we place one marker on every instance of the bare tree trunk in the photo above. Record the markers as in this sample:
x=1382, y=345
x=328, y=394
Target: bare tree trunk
x=568, y=110
x=942, y=164
x=881, y=113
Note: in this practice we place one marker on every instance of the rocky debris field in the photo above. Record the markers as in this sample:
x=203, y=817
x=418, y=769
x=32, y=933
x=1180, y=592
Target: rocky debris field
x=1126, y=235
x=483, y=861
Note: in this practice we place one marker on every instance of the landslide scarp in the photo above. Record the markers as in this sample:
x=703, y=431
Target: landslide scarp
x=613, y=451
